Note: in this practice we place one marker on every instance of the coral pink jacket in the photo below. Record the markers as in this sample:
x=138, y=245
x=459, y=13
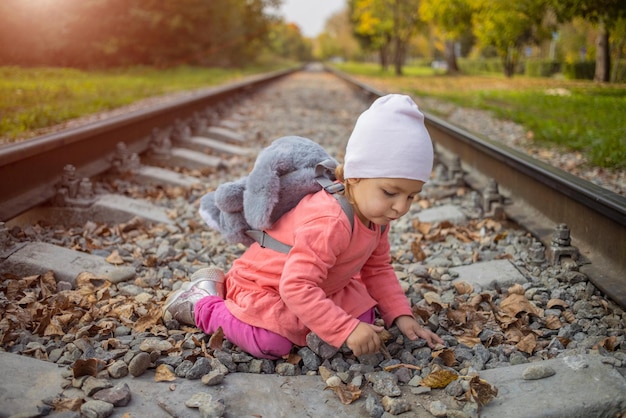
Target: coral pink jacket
x=330, y=277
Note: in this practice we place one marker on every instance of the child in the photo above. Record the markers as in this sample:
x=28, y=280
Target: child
x=334, y=276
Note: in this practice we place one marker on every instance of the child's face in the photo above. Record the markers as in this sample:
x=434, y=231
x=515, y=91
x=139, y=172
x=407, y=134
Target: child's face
x=382, y=200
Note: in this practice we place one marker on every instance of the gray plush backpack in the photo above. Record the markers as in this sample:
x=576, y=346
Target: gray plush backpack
x=284, y=172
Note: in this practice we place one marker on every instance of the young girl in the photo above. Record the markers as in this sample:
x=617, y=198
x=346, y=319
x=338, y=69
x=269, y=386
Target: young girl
x=335, y=275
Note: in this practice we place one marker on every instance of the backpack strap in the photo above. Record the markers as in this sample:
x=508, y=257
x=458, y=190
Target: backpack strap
x=321, y=176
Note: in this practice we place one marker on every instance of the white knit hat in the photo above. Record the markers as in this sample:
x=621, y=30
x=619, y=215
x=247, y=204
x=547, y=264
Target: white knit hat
x=390, y=140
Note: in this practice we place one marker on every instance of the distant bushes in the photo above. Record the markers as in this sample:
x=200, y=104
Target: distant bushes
x=542, y=68
x=579, y=70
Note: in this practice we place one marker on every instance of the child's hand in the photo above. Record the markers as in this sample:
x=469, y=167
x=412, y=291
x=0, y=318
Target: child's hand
x=364, y=339
x=409, y=327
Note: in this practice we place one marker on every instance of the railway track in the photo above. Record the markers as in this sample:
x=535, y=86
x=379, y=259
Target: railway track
x=546, y=201
x=129, y=183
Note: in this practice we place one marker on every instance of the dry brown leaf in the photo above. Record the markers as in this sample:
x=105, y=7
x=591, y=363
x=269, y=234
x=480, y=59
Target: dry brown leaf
x=569, y=316
x=216, y=340
x=527, y=344
x=476, y=300
x=515, y=303
x=67, y=404
x=556, y=302
x=463, y=288
x=293, y=358
x=447, y=355
x=384, y=336
x=88, y=367
x=610, y=343
x=553, y=322
x=517, y=289
x=423, y=227
x=54, y=328
x=418, y=252
x=148, y=320
x=514, y=335
x=457, y=316
x=481, y=392
x=468, y=340
x=432, y=297
x=439, y=379
x=421, y=313
x=164, y=374
x=500, y=236
x=325, y=373
x=346, y=393
x=115, y=258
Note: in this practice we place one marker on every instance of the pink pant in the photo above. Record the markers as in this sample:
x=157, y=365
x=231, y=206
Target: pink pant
x=211, y=313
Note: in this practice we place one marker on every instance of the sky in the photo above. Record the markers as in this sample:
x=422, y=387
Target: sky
x=310, y=15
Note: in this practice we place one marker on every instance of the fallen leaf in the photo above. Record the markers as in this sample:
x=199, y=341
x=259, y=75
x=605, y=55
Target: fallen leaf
x=553, y=322
x=463, y=288
x=115, y=258
x=346, y=393
x=384, y=336
x=216, y=340
x=527, y=344
x=468, y=340
x=610, y=343
x=432, y=297
x=325, y=373
x=439, y=379
x=516, y=289
x=67, y=404
x=516, y=303
x=556, y=302
x=569, y=316
x=293, y=358
x=447, y=355
x=418, y=252
x=481, y=391
x=88, y=367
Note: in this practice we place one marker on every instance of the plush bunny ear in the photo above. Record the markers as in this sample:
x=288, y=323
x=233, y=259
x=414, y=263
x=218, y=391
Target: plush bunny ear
x=209, y=212
x=229, y=196
x=282, y=175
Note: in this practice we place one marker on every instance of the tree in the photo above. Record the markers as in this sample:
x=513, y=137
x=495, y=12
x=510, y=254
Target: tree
x=337, y=39
x=287, y=42
x=508, y=26
x=454, y=18
x=605, y=14
x=386, y=25
x=101, y=33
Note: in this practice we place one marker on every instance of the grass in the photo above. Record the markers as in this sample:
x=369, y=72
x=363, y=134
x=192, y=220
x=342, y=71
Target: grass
x=586, y=117
x=574, y=115
x=35, y=98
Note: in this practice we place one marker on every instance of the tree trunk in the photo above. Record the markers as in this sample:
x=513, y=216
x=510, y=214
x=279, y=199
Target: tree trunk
x=603, y=56
x=451, y=57
x=398, y=59
x=383, y=57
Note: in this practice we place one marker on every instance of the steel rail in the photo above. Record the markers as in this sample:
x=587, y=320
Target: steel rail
x=30, y=169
